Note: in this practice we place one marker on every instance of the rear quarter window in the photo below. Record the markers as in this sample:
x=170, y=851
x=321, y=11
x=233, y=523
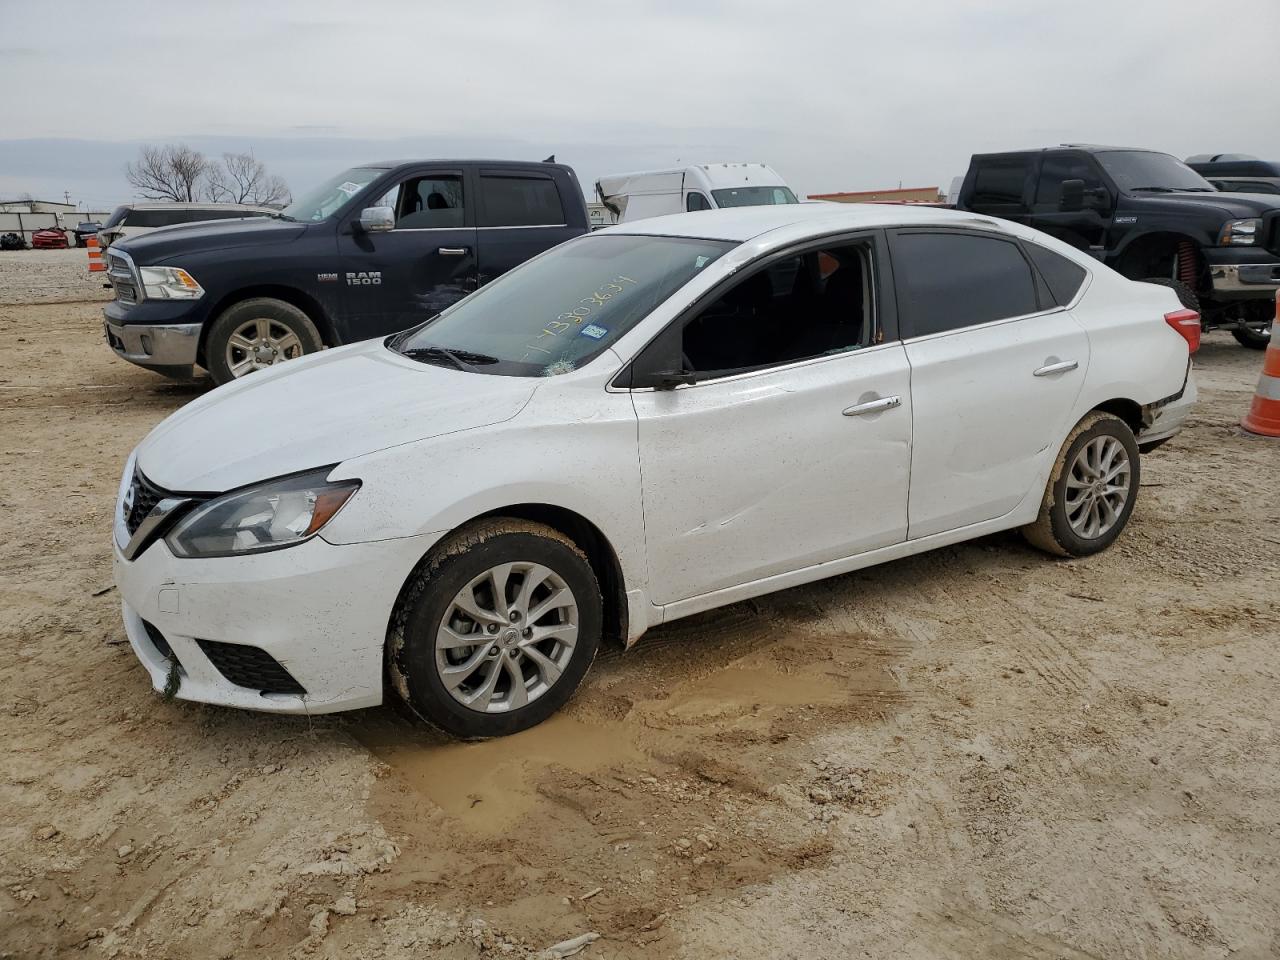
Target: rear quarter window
x=1063, y=277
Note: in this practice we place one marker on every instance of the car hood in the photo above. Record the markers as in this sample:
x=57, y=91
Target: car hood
x=165, y=243
x=1237, y=206
x=320, y=410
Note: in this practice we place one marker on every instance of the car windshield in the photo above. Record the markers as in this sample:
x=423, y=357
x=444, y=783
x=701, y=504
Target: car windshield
x=1140, y=171
x=753, y=196
x=562, y=309
x=330, y=196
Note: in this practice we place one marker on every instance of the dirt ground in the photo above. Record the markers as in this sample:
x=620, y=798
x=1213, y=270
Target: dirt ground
x=980, y=752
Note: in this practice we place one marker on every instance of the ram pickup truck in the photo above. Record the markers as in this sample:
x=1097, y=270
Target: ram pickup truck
x=1149, y=216
x=376, y=249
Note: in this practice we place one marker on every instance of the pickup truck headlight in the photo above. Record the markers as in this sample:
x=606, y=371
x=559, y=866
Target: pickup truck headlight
x=170, y=283
x=270, y=516
x=1239, y=233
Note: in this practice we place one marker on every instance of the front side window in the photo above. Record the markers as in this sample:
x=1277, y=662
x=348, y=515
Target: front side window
x=809, y=305
x=1141, y=171
x=947, y=281
x=519, y=202
x=331, y=196
x=1058, y=168
x=562, y=309
x=753, y=196
x=696, y=201
x=426, y=203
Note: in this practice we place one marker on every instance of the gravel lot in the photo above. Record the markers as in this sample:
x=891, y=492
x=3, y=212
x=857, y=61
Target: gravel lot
x=980, y=752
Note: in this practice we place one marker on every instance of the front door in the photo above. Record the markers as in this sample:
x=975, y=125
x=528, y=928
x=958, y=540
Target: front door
x=995, y=372
x=1085, y=228
x=396, y=279
x=792, y=447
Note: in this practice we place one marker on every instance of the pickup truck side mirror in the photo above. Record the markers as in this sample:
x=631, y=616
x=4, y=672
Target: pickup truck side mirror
x=1072, y=196
x=376, y=220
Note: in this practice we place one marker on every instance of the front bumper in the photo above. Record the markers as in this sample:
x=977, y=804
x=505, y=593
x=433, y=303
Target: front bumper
x=1243, y=274
x=168, y=348
x=321, y=611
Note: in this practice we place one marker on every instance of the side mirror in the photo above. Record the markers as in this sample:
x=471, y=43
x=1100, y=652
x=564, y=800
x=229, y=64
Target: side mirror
x=376, y=219
x=1098, y=198
x=1072, y=196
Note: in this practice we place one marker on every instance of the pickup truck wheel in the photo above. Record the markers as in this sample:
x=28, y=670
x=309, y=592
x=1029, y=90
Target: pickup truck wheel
x=495, y=632
x=1186, y=296
x=1255, y=326
x=1092, y=490
x=257, y=333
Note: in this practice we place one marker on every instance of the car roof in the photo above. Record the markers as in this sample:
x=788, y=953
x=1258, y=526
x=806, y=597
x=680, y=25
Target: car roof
x=447, y=161
x=746, y=223
x=1083, y=147
x=196, y=205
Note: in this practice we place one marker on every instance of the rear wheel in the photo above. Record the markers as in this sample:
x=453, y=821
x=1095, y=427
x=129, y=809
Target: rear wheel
x=1255, y=324
x=1186, y=296
x=1092, y=491
x=255, y=334
x=496, y=631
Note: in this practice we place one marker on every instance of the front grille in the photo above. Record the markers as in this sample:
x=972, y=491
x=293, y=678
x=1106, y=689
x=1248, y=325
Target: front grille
x=158, y=641
x=145, y=497
x=250, y=667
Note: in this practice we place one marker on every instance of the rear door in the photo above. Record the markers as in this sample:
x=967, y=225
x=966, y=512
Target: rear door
x=520, y=213
x=996, y=367
x=998, y=185
x=395, y=279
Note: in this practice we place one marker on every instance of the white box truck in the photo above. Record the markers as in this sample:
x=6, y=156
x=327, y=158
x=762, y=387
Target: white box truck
x=704, y=186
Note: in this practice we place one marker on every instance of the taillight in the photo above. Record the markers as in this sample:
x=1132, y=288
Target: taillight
x=1186, y=323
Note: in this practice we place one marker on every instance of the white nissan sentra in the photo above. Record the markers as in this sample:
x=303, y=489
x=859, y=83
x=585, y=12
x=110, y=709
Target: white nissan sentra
x=647, y=422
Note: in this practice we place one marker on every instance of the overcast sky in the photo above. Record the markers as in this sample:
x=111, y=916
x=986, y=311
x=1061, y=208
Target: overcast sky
x=835, y=94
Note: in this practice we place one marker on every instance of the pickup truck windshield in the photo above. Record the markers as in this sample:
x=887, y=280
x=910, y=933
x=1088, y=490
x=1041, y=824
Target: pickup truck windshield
x=325, y=199
x=753, y=196
x=562, y=309
x=1139, y=171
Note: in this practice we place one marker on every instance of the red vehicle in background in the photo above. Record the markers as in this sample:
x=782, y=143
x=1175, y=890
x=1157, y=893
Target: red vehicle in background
x=49, y=240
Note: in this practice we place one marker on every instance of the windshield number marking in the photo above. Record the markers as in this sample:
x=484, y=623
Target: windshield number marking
x=577, y=315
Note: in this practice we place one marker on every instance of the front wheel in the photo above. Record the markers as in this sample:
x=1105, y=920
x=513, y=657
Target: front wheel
x=496, y=631
x=1092, y=491
x=257, y=333
x=1255, y=325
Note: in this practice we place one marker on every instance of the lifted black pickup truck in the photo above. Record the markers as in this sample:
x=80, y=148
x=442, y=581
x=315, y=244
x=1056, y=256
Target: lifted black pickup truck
x=376, y=249
x=1149, y=216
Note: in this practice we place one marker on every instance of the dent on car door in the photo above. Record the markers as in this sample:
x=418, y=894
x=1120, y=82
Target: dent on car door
x=792, y=446
x=996, y=368
x=395, y=279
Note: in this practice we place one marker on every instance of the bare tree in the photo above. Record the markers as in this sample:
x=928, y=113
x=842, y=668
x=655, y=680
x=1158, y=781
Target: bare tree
x=172, y=172
x=241, y=178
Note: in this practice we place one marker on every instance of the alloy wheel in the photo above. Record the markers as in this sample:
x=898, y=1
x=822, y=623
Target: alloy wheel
x=260, y=343
x=1098, y=487
x=506, y=637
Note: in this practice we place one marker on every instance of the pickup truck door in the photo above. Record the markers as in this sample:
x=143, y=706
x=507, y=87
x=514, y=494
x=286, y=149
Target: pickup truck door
x=520, y=213
x=996, y=369
x=395, y=279
x=1084, y=228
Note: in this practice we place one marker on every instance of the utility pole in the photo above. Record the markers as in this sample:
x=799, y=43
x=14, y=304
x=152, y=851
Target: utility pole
x=67, y=196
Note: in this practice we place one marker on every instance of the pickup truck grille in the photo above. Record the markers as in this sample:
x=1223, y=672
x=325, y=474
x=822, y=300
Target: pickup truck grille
x=120, y=273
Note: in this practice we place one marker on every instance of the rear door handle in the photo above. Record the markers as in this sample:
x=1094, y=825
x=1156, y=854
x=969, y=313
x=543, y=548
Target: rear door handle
x=873, y=406
x=1049, y=369
x=453, y=251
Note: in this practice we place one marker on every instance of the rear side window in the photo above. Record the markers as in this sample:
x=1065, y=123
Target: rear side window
x=519, y=202
x=999, y=183
x=1063, y=277
x=947, y=281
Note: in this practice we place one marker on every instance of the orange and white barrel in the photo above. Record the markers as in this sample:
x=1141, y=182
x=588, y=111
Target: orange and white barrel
x=96, y=263
x=1263, y=417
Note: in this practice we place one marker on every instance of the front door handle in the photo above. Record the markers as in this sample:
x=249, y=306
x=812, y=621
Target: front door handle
x=453, y=251
x=1049, y=369
x=873, y=406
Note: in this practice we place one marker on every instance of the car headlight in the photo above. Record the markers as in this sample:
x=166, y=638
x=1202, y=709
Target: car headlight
x=170, y=283
x=270, y=516
x=1239, y=233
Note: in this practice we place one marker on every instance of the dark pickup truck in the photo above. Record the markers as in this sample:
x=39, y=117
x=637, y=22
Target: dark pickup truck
x=376, y=249
x=1149, y=216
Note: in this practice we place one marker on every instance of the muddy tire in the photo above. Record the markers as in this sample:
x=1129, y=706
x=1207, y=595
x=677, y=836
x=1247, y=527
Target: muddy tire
x=257, y=333
x=496, y=629
x=1092, y=490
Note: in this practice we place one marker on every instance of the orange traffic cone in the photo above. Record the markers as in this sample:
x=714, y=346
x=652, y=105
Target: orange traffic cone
x=96, y=264
x=1264, y=416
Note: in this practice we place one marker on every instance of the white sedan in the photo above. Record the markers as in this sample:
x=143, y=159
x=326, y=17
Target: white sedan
x=647, y=422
